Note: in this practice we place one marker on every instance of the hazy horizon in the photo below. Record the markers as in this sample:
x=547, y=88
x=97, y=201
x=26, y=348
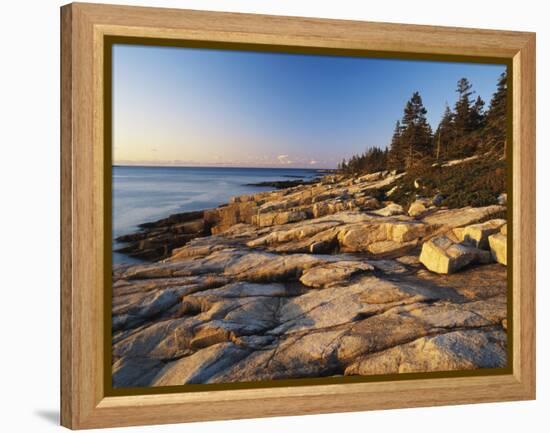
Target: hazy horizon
x=175, y=164
x=189, y=107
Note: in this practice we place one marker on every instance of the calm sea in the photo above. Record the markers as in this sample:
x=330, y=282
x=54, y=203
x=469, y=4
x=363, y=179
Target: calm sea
x=142, y=194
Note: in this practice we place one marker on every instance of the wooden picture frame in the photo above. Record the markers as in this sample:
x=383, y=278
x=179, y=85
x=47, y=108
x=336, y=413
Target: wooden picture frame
x=84, y=27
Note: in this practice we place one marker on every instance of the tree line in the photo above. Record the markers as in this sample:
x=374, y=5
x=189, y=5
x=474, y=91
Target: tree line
x=465, y=130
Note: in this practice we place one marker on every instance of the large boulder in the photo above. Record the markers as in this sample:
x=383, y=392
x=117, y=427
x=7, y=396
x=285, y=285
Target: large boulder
x=443, y=256
x=498, y=243
x=477, y=235
x=358, y=237
x=382, y=236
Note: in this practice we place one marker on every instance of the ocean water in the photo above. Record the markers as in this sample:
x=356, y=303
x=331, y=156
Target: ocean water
x=143, y=194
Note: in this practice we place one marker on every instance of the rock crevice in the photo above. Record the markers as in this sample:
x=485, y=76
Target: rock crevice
x=311, y=281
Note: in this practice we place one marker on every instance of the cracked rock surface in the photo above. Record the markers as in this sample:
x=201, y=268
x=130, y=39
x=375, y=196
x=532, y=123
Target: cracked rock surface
x=312, y=281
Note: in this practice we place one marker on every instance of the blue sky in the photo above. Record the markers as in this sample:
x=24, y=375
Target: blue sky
x=184, y=106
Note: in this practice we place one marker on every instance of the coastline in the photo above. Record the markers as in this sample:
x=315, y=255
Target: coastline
x=314, y=280
x=147, y=194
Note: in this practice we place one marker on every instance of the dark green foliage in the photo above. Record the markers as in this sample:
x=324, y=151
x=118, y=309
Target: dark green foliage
x=396, y=155
x=477, y=117
x=463, y=107
x=416, y=135
x=494, y=133
x=444, y=136
x=468, y=119
x=467, y=130
x=475, y=183
x=412, y=136
x=374, y=159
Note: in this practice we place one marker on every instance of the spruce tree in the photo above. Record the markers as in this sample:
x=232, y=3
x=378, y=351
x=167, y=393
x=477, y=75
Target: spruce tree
x=444, y=135
x=416, y=137
x=495, y=127
x=477, y=115
x=374, y=159
x=463, y=107
x=460, y=133
x=396, y=160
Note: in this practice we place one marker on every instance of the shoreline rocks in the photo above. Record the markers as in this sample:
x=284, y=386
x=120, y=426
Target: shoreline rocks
x=498, y=246
x=282, y=184
x=443, y=256
x=310, y=281
x=157, y=240
x=475, y=243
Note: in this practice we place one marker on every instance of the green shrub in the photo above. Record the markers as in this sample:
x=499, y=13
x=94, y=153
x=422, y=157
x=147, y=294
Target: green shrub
x=475, y=183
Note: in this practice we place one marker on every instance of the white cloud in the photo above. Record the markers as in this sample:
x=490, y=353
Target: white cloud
x=283, y=159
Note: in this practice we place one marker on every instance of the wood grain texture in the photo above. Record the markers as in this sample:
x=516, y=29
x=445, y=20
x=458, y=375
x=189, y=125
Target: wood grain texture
x=67, y=395
x=524, y=209
x=84, y=404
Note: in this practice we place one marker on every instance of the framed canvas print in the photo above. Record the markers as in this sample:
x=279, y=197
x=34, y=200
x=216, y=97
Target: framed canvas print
x=269, y=216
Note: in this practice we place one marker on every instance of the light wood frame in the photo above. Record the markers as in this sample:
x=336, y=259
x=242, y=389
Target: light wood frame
x=83, y=400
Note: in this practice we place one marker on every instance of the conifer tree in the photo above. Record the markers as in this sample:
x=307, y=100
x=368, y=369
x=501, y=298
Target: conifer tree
x=416, y=137
x=444, y=135
x=477, y=115
x=462, y=132
x=396, y=160
x=463, y=108
x=374, y=159
x=495, y=127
